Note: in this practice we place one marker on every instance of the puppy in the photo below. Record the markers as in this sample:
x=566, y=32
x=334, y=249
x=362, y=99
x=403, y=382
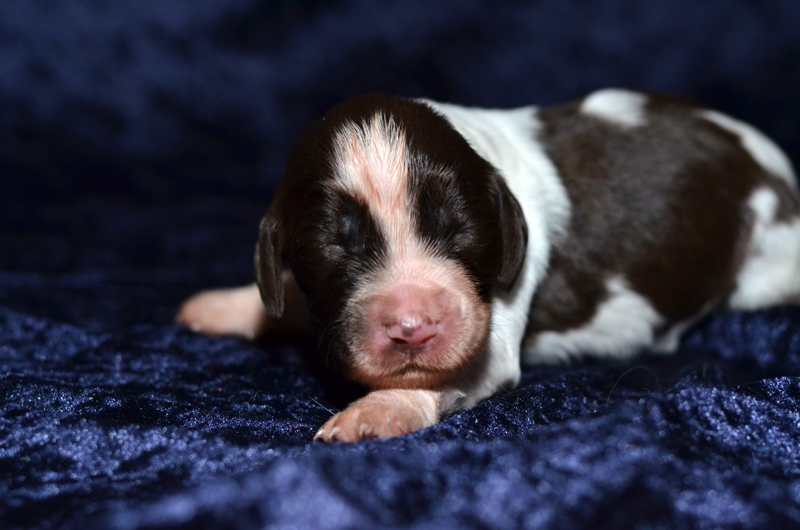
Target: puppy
x=436, y=245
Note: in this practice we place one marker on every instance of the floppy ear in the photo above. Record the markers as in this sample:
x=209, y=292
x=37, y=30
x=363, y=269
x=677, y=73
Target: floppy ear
x=514, y=233
x=269, y=275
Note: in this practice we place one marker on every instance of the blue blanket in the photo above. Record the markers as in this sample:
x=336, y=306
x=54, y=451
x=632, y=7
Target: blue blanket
x=140, y=143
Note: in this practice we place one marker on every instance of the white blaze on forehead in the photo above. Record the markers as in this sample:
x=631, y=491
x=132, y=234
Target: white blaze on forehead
x=622, y=107
x=762, y=149
x=371, y=159
x=371, y=163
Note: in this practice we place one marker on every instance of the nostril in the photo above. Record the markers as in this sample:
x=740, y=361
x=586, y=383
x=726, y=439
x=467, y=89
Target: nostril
x=399, y=341
x=412, y=334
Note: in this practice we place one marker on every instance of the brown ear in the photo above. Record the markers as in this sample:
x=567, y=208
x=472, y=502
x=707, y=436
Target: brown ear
x=269, y=275
x=514, y=235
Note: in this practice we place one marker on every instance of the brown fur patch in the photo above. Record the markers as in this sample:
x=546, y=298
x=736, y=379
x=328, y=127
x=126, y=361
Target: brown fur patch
x=661, y=205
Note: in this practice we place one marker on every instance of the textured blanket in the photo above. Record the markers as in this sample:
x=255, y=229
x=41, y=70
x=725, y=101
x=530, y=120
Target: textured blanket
x=140, y=143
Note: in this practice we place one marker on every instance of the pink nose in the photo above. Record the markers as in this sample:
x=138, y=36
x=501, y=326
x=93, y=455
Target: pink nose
x=412, y=333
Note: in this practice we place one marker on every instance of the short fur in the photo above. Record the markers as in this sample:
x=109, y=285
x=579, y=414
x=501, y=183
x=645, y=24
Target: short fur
x=436, y=243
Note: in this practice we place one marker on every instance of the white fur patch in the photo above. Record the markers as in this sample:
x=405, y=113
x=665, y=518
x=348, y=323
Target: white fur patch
x=771, y=272
x=622, y=107
x=762, y=149
x=507, y=140
x=622, y=325
x=371, y=163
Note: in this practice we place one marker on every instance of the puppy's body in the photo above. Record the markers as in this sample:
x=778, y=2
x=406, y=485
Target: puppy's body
x=435, y=242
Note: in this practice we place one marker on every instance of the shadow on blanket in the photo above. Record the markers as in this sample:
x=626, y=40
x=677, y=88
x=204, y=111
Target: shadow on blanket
x=139, y=145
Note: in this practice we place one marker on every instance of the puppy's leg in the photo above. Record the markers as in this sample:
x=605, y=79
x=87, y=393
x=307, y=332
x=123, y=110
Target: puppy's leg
x=240, y=312
x=388, y=413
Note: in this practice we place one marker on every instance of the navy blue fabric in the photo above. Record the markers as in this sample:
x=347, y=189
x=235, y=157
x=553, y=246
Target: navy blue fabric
x=140, y=143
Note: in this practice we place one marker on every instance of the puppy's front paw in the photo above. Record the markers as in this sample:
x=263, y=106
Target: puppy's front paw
x=369, y=422
x=382, y=414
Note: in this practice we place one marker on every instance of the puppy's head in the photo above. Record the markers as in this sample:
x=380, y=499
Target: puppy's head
x=398, y=233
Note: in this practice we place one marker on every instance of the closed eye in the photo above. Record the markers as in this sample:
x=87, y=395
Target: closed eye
x=439, y=220
x=353, y=230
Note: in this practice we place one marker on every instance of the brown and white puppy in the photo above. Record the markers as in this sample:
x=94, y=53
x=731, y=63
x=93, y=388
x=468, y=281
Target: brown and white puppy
x=437, y=244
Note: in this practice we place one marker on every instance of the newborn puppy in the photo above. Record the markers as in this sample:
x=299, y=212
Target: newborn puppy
x=438, y=244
